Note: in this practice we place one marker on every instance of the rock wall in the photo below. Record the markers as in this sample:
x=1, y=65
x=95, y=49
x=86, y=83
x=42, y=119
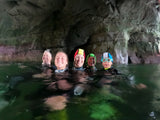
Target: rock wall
x=127, y=29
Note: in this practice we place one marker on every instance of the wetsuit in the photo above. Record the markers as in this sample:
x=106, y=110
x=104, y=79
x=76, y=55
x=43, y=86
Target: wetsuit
x=112, y=71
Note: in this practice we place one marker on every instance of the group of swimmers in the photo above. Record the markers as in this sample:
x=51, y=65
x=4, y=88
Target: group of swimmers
x=61, y=61
x=82, y=78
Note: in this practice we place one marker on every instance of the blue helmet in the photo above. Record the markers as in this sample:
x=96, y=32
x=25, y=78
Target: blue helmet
x=106, y=57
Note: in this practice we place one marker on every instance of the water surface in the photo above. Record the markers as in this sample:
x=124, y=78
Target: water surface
x=22, y=96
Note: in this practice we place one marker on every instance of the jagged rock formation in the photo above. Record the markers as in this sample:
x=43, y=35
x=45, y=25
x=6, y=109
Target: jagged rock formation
x=127, y=29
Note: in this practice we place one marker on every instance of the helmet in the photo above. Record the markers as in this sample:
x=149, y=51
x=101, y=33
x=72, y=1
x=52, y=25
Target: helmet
x=90, y=55
x=79, y=52
x=106, y=57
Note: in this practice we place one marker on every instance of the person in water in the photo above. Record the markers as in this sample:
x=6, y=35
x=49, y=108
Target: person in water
x=46, y=58
x=46, y=65
x=79, y=58
x=60, y=83
x=91, y=62
x=60, y=78
x=79, y=75
x=61, y=62
x=107, y=61
x=108, y=74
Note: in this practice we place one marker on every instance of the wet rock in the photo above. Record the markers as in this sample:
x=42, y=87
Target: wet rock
x=95, y=25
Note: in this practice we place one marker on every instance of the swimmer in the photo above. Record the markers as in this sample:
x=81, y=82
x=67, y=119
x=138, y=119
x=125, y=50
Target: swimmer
x=61, y=62
x=107, y=61
x=91, y=62
x=79, y=58
x=46, y=58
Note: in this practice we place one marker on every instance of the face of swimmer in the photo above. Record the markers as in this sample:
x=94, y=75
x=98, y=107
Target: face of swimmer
x=107, y=63
x=79, y=61
x=91, y=61
x=61, y=60
x=47, y=58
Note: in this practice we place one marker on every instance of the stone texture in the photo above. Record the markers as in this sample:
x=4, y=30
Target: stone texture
x=127, y=29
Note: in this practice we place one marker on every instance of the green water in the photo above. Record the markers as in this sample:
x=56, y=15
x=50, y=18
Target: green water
x=22, y=96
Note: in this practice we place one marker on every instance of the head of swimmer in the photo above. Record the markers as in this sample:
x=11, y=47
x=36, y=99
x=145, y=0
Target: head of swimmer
x=61, y=60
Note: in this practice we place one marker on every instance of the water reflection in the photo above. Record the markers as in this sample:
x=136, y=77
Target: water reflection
x=80, y=79
x=80, y=95
x=155, y=112
x=60, y=86
x=56, y=102
x=64, y=85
